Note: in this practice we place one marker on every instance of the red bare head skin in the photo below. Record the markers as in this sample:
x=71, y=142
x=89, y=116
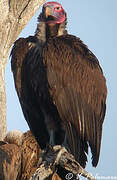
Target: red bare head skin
x=51, y=3
x=53, y=13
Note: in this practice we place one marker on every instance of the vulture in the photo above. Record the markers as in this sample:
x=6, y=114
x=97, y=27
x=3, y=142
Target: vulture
x=61, y=86
x=10, y=156
x=19, y=156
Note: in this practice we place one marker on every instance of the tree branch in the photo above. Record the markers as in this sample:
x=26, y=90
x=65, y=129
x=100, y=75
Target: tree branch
x=59, y=156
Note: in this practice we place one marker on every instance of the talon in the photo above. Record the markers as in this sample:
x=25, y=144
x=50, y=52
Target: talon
x=49, y=147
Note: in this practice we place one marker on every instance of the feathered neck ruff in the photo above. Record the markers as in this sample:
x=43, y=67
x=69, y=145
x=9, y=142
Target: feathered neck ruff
x=45, y=31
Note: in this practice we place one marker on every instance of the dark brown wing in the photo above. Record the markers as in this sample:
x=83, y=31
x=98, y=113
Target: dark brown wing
x=78, y=88
x=25, y=62
x=20, y=49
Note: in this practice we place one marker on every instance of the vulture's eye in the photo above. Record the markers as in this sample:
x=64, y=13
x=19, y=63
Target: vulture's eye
x=58, y=8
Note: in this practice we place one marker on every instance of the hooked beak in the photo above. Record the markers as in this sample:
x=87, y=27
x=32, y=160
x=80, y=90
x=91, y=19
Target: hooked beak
x=48, y=12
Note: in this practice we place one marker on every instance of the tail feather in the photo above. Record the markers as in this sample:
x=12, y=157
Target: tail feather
x=77, y=146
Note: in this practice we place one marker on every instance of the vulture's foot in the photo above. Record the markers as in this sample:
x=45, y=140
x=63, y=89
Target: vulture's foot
x=50, y=156
x=59, y=160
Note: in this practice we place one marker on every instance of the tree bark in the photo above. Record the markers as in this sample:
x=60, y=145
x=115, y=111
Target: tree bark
x=14, y=15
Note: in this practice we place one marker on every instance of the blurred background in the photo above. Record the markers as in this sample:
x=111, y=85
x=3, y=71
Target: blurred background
x=95, y=22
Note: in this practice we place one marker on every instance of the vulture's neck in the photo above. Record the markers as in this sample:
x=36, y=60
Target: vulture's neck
x=52, y=30
x=45, y=31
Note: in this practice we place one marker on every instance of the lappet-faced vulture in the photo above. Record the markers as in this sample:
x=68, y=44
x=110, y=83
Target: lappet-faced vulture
x=60, y=85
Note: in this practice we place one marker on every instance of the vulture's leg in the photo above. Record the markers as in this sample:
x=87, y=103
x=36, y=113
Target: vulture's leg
x=59, y=136
x=51, y=137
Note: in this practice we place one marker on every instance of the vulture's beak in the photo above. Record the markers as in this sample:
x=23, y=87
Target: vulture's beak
x=48, y=12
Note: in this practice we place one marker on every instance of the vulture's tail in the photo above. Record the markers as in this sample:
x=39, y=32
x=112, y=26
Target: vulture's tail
x=77, y=146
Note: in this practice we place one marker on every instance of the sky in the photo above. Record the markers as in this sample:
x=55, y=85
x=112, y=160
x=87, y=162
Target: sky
x=95, y=22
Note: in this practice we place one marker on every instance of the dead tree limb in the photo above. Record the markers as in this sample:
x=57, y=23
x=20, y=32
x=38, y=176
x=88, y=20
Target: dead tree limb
x=59, y=156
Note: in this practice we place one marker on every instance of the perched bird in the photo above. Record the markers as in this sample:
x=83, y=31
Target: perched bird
x=60, y=85
x=19, y=156
x=10, y=156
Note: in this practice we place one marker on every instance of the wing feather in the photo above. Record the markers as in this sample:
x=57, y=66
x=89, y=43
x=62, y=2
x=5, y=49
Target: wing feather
x=26, y=67
x=20, y=49
x=78, y=88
